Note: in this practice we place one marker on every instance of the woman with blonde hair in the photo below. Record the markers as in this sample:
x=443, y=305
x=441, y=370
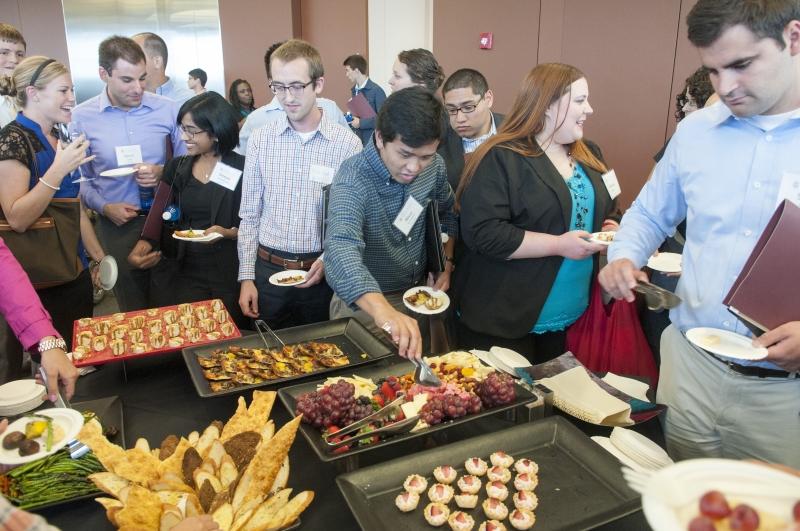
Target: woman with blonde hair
x=529, y=199
x=38, y=173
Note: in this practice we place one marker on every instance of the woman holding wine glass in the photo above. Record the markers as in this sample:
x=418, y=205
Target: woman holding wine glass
x=37, y=168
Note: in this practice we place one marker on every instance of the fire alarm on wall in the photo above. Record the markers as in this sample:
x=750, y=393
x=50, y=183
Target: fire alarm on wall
x=486, y=41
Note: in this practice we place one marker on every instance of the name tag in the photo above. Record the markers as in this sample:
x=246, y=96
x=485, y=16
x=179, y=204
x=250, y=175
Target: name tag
x=226, y=176
x=790, y=188
x=408, y=215
x=612, y=184
x=128, y=155
x=320, y=174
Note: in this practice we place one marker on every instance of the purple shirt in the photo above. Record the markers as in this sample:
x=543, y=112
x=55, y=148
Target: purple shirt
x=107, y=127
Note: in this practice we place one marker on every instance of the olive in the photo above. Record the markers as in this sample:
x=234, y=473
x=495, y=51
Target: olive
x=28, y=447
x=13, y=439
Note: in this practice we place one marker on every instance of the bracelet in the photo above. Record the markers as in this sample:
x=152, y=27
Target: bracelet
x=47, y=184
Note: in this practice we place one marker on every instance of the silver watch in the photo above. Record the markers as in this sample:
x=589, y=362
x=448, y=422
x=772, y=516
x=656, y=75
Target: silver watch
x=50, y=344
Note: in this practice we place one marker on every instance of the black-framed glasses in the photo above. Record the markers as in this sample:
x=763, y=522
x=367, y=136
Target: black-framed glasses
x=191, y=132
x=466, y=109
x=295, y=89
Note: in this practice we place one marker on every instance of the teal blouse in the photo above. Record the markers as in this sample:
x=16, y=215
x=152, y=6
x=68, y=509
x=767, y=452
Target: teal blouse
x=569, y=295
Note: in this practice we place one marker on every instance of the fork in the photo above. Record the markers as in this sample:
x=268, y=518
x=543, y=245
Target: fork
x=76, y=448
x=637, y=479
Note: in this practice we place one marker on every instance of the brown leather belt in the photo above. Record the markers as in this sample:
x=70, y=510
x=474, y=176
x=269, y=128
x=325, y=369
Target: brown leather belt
x=287, y=263
x=748, y=370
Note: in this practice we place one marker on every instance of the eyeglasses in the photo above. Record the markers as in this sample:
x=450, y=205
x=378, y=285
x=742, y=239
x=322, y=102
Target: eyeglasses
x=295, y=89
x=466, y=109
x=191, y=132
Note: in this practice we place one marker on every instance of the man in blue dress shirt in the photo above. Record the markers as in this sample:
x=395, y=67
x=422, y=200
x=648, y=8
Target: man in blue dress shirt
x=355, y=68
x=722, y=172
x=126, y=127
x=155, y=49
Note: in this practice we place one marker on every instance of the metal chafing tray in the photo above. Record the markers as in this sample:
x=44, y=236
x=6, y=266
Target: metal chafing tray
x=352, y=337
x=580, y=484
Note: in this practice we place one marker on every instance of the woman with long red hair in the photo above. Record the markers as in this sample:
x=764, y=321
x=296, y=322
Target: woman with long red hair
x=529, y=199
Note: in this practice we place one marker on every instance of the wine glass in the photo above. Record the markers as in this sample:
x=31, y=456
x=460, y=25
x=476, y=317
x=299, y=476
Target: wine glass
x=68, y=134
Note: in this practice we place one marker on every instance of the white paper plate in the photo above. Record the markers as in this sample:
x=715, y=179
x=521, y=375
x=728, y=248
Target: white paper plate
x=725, y=343
x=200, y=238
x=19, y=392
x=637, y=445
x=609, y=447
x=509, y=359
x=597, y=235
x=275, y=279
x=422, y=308
x=118, y=172
x=665, y=262
x=671, y=498
x=108, y=272
x=69, y=420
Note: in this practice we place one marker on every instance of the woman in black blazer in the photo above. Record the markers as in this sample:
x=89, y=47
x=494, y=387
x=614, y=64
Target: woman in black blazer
x=529, y=200
x=198, y=271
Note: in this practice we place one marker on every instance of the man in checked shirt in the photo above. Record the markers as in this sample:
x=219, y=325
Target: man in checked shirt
x=288, y=163
x=375, y=244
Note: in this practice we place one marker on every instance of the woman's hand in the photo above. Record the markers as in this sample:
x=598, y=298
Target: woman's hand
x=69, y=157
x=142, y=255
x=575, y=245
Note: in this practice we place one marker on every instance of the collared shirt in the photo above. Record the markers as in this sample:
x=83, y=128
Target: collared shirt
x=175, y=92
x=722, y=174
x=364, y=251
x=21, y=306
x=471, y=144
x=281, y=206
x=149, y=125
x=273, y=111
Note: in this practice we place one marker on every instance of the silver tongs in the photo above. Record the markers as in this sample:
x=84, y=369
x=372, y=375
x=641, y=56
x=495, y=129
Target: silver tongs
x=655, y=297
x=423, y=373
x=262, y=325
x=394, y=428
x=76, y=448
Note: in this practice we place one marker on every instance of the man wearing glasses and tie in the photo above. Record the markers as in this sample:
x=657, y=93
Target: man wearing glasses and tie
x=289, y=161
x=468, y=101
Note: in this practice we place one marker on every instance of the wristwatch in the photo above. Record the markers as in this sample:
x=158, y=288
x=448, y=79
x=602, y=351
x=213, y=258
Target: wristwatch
x=50, y=344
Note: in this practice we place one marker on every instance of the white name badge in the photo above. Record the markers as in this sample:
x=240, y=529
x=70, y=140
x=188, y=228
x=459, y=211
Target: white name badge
x=790, y=188
x=226, y=176
x=612, y=184
x=320, y=174
x=408, y=215
x=127, y=155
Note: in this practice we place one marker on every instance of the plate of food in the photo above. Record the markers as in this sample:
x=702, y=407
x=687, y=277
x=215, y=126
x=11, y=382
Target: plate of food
x=426, y=300
x=722, y=494
x=118, y=172
x=603, y=238
x=39, y=434
x=725, y=343
x=289, y=277
x=196, y=235
x=665, y=262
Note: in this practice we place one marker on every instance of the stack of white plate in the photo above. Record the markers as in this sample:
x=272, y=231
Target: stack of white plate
x=20, y=396
x=640, y=449
x=508, y=360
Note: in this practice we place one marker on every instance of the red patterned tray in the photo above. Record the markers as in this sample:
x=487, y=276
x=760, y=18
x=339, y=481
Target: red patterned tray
x=121, y=336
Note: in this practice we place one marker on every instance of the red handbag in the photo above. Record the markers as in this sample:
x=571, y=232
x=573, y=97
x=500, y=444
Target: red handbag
x=609, y=338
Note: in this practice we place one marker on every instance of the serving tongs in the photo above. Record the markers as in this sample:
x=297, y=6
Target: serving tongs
x=655, y=297
x=261, y=325
x=76, y=448
x=423, y=374
x=395, y=428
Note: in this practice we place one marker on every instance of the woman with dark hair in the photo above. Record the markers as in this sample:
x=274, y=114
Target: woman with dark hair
x=240, y=96
x=207, y=190
x=696, y=92
x=530, y=197
x=416, y=67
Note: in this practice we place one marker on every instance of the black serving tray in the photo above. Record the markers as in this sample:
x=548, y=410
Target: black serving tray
x=347, y=333
x=289, y=395
x=109, y=413
x=580, y=484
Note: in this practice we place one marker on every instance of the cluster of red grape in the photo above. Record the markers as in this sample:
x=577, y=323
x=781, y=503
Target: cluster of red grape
x=496, y=389
x=714, y=506
x=439, y=408
x=333, y=405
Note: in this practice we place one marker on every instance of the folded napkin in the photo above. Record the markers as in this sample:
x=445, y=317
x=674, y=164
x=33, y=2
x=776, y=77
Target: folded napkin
x=575, y=392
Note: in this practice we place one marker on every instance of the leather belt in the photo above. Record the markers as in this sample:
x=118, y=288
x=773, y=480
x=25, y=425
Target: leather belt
x=287, y=263
x=749, y=370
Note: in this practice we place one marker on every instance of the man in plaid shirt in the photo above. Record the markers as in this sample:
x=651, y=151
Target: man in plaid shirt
x=289, y=161
x=375, y=245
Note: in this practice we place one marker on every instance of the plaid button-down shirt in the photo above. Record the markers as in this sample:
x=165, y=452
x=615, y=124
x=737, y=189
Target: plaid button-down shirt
x=281, y=206
x=364, y=251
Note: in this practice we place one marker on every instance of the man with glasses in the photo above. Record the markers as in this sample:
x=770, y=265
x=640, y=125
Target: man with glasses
x=468, y=101
x=289, y=161
x=127, y=128
x=273, y=111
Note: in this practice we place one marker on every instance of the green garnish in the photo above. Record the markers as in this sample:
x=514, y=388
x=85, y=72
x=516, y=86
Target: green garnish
x=49, y=440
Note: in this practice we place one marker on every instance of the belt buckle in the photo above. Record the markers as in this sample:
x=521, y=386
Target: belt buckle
x=286, y=263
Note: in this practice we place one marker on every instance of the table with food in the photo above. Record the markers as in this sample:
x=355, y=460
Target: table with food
x=324, y=427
